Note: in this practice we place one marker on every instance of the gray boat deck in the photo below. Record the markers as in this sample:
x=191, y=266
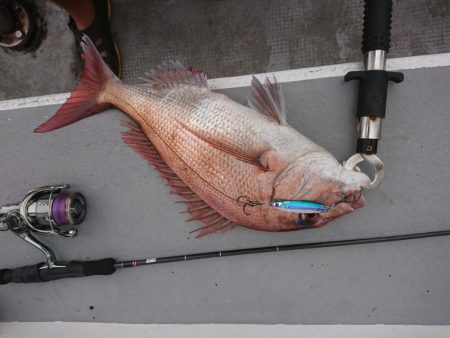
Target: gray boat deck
x=131, y=215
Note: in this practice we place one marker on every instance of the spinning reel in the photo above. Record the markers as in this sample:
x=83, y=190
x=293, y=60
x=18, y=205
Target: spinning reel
x=49, y=210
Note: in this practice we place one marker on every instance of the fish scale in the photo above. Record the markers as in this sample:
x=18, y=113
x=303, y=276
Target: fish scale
x=213, y=167
x=208, y=163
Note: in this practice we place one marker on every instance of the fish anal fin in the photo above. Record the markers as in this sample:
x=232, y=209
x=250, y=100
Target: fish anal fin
x=267, y=99
x=220, y=226
x=199, y=210
x=172, y=74
x=212, y=220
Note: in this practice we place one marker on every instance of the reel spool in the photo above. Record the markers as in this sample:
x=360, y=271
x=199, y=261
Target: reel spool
x=49, y=210
x=52, y=210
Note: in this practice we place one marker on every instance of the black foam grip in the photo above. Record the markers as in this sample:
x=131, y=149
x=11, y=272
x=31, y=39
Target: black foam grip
x=3, y=278
x=24, y=274
x=101, y=267
x=377, y=25
x=35, y=273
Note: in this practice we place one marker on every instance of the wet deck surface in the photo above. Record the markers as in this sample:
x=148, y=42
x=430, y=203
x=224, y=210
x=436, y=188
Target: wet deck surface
x=132, y=215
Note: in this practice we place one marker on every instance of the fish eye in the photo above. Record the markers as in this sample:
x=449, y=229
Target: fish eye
x=277, y=204
x=352, y=196
x=306, y=220
x=308, y=217
x=345, y=197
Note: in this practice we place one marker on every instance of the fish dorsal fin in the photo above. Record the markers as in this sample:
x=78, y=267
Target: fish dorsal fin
x=267, y=99
x=199, y=210
x=172, y=74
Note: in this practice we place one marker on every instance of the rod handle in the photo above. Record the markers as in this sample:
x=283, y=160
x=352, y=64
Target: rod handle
x=36, y=274
x=377, y=25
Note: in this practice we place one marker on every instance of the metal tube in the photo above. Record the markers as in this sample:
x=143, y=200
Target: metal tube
x=375, y=60
x=369, y=127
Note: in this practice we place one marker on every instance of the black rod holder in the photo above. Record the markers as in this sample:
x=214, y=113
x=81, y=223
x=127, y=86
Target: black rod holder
x=373, y=81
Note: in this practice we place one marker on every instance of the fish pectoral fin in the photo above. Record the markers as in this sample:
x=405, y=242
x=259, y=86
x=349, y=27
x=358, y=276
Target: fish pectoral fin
x=267, y=99
x=253, y=155
x=270, y=161
x=199, y=210
x=172, y=74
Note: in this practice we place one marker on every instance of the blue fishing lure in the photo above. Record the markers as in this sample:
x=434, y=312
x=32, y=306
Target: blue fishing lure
x=301, y=207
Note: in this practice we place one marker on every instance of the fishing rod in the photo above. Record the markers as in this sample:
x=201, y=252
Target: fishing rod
x=55, y=211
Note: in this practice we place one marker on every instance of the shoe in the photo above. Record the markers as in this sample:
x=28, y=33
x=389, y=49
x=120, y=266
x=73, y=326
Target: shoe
x=99, y=32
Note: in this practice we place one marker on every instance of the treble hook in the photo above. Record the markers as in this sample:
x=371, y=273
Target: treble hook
x=248, y=203
x=374, y=161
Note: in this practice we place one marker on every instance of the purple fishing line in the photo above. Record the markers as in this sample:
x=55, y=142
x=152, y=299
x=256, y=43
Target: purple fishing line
x=59, y=209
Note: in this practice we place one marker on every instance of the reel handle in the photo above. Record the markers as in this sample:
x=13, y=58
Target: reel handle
x=36, y=273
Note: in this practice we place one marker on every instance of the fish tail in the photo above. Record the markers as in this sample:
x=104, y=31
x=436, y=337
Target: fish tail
x=87, y=98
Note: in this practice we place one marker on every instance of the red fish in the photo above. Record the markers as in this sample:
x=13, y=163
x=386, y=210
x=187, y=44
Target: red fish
x=228, y=161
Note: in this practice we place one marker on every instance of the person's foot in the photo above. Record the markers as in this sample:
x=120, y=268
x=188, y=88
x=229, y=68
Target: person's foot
x=99, y=32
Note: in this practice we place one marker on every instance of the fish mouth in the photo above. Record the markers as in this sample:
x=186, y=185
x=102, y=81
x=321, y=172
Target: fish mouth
x=354, y=200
